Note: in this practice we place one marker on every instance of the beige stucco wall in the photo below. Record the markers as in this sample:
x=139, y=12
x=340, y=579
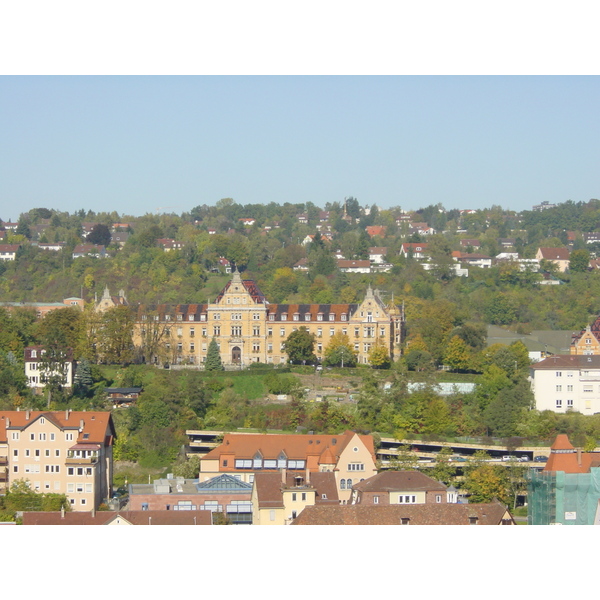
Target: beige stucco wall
x=30, y=458
x=355, y=453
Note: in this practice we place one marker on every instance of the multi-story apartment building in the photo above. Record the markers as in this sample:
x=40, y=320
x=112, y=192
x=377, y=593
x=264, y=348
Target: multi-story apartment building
x=567, y=382
x=63, y=452
x=249, y=329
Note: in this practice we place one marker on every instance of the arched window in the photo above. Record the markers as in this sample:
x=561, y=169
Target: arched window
x=342, y=484
x=349, y=483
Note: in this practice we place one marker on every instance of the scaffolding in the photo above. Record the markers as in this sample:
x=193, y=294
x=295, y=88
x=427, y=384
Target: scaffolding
x=558, y=498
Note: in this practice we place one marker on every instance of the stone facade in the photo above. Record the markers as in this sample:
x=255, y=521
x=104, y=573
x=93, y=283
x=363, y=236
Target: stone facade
x=248, y=329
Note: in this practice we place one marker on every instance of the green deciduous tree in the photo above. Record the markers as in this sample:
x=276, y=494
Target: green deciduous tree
x=299, y=346
x=579, y=261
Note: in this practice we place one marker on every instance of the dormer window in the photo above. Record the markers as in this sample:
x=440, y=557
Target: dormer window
x=320, y=317
x=331, y=317
x=307, y=317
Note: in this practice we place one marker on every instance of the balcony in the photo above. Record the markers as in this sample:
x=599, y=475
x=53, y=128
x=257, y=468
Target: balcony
x=80, y=460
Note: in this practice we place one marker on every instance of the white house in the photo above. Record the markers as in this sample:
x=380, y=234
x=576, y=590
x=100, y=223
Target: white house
x=567, y=382
x=36, y=373
x=8, y=251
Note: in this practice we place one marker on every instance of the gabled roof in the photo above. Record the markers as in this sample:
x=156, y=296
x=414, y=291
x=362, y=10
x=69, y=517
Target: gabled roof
x=296, y=447
x=98, y=426
x=493, y=513
x=269, y=487
x=554, y=253
x=250, y=286
x=397, y=481
x=224, y=483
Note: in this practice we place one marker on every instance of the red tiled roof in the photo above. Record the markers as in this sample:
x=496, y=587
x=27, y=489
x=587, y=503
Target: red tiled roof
x=564, y=457
x=315, y=449
x=555, y=253
x=417, y=514
x=390, y=481
x=98, y=425
x=134, y=517
x=353, y=264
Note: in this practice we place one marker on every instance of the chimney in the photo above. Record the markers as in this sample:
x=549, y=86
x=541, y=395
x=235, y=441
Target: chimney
x=579, y=457
x=67, y=414
x=27, y=415
x=307, y=476
x=283, y=475
x=80, y=425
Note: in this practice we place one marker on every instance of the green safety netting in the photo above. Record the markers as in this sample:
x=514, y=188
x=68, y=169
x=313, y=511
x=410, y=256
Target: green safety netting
x=563, y=498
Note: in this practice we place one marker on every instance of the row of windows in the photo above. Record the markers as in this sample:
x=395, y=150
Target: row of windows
x=559, y=403
x=356, y=467
x=42, y=437
x=259, y=463
x=346, y=484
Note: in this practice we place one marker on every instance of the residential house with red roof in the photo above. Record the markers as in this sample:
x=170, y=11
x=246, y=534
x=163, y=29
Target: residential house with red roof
x=64, y=452
x=400, y=487
x=472, y=259
x=559, y=256
x=349, y=456
x=376, y=230
x=354, y=266
x=278, y=497
x=417, y=250
x=493, y=513
x=9, y=251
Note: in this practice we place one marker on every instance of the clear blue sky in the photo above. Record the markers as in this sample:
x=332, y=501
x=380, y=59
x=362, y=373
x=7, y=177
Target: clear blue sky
x=134, y=144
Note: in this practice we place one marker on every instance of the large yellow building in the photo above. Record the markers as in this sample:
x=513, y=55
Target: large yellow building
x=249, y=329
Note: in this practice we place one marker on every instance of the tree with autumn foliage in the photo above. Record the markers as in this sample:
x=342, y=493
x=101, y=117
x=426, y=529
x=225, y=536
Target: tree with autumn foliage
x=457, y=355
x=379, y=357
x=339, y=352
